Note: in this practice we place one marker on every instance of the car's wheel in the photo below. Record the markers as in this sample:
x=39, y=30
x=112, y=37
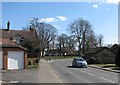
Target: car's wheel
x=72, y=65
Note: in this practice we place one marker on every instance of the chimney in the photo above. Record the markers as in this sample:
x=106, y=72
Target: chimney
x=8, y=25
x=31, y=29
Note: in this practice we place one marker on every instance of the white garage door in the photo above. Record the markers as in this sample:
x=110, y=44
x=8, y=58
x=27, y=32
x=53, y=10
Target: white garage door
x=1, y=59
x=15, y=59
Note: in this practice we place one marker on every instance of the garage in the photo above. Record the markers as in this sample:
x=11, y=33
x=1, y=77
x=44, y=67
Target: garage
x=15, y=60
x=12, y=55
x=1, y=59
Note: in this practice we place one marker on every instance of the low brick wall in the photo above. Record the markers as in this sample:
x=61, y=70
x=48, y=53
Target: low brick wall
x=33, y=58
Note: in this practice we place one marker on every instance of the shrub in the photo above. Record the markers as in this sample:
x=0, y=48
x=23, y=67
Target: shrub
x=29, y=62
x=36, y=61
x=117, y=60
x=92, y=60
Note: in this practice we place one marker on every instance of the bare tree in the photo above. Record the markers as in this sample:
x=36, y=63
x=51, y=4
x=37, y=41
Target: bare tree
x=71, y=44
x=53, y=43
x=45, y=33
x=91, y=41
x=80, y=28
x=66, y=44
x=62, y=42
x=109, y=45
x=51, y=48
x=100, y=40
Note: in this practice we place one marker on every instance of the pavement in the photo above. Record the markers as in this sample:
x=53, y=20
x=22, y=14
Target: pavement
x=47, y=74
x=104, y=68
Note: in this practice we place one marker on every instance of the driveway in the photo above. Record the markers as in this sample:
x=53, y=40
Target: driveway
x=43, y=74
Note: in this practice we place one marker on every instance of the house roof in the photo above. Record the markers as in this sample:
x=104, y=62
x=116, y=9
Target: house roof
x=31, y=35
x=115, y=46
x=97, y=49
x=9, y=43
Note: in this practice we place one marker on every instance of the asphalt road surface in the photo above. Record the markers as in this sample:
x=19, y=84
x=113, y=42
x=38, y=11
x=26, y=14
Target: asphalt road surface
x=67, y=74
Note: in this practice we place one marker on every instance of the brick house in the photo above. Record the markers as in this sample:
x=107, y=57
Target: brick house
x=18, y=36
x=14, y=40
x=100, y=55
x=12, y=56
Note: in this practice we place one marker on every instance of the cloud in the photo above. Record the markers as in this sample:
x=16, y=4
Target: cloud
x=48, y=20
x=57, y=18
x=62, y=18
x=95, y=6
x=89, y=2
x=112, y=1
x=31, y=19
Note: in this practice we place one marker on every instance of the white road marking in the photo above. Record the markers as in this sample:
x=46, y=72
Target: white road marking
x=13, y=82
x=97, y=76
x=57, y=77
x=107, y=80
x=90, y=73
x=1, y=82
x=55, y=74
x=87, y=73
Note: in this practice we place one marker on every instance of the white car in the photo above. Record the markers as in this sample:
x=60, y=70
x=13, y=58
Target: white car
x=79, y=62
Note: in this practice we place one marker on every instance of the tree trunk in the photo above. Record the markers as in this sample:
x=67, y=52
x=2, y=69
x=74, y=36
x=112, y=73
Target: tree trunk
x=42, y=53
x=83, y=44
x=79, y=50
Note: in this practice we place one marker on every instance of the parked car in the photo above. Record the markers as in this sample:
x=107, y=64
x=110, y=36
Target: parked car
x=79, y=62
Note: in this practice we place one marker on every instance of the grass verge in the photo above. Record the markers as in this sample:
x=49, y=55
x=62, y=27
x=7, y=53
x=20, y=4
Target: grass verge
x=110, y=66
x=59, y=57
x=105, y=65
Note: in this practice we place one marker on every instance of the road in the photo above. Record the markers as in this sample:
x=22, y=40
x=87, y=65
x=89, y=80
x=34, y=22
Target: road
x=67, y=74
x=60, y=71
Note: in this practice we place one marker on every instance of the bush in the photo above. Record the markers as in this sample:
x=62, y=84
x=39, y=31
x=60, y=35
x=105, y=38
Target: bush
x=35, y=64
x=36, y=61
x=92, y=60
x=29, y=62
x=117, y=60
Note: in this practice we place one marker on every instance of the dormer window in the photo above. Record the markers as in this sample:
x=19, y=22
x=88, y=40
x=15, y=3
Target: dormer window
x=17, y=39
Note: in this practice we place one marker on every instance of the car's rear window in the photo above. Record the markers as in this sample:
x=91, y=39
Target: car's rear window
x=80, y=59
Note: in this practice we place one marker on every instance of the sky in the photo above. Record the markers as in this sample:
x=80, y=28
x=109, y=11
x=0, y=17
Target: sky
x=103, y=16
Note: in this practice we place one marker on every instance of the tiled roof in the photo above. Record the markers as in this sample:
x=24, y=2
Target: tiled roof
x=23, y=33
x=9, y=43
x=115, y=46
x=97, y=49
x=6, y=41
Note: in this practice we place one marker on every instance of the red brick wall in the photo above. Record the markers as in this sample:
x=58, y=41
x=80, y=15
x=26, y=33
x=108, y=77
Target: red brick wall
x=25, y=60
